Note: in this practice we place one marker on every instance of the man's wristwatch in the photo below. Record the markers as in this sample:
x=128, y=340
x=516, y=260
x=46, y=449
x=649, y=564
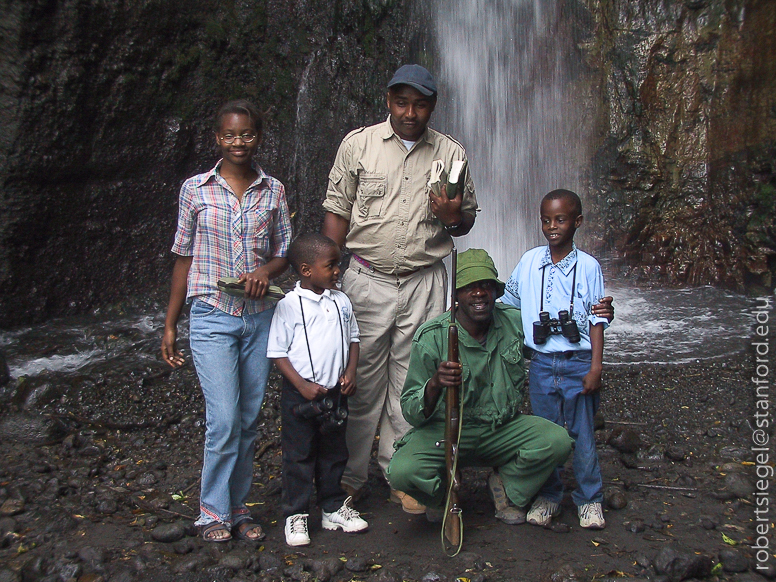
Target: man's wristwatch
x=449, y=227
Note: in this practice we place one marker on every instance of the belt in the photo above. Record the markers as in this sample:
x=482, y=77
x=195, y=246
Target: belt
x=366, y=264
x=568, y=354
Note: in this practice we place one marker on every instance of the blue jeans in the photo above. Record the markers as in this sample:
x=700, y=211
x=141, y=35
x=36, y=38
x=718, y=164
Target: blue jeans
x=555, y=382
x=230, y=355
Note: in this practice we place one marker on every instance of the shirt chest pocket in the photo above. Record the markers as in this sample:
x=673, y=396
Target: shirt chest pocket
x=370, y=195
x=512, y=361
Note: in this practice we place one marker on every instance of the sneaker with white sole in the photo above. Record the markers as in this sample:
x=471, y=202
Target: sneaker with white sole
x=505, y=510
x=296, y=530
x=591, y=516
x=345, y=518
x=542, y=511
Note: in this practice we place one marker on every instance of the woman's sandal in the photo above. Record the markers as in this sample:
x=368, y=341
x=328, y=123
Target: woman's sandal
x=242, y=529
x=209, y=531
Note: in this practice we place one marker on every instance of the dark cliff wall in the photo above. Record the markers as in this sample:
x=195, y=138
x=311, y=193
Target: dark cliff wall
x=107, y=107
x=685, y=173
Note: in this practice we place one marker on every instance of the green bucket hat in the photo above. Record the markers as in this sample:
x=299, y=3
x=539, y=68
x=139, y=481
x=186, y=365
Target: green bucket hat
x=476, y=265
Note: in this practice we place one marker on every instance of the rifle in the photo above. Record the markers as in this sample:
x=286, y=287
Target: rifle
x=452, y=522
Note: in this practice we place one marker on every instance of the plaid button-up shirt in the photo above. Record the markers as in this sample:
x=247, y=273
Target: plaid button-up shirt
x=227, y=238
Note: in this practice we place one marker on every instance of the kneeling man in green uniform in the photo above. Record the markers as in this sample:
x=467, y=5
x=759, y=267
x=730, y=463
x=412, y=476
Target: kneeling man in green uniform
x=522, y=449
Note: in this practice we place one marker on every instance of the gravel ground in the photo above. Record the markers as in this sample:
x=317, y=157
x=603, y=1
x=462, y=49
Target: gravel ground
x=99, y=482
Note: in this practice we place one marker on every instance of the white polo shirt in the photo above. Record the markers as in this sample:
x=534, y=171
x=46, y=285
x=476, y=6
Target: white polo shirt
x=331, y=328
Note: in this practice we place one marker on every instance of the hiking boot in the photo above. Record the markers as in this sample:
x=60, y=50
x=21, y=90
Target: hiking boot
x=352, y=492
x=408, y=504
x=435, y=514
x=296, y=530
x=505, y=510
x=591, y=516
x=542, y=511
x=345, y=518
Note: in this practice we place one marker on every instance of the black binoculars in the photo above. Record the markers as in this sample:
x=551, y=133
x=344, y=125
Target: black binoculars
x=546, y=327
x=331, y=418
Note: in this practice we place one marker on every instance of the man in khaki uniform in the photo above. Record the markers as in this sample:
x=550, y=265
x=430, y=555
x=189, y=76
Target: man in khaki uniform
x=379, y=205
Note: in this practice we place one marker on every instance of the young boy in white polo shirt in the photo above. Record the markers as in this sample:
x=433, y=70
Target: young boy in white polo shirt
x=314, y=343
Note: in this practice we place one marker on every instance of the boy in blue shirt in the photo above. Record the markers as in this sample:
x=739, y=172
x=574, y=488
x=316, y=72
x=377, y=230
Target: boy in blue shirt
x=565, y=371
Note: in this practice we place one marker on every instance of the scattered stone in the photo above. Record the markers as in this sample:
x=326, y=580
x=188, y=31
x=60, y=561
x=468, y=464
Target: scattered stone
x=7, y=525
x=615, y=498
x=35, y=430
x=715, y=432
x=675, y=453
x=470, y=561
x=734, y=453
x=7, y=575
x=185, y=546
x=565, y=574
x=733, y=561
x=707, y=523
x=432, y=577
x=194, y=563
x=108, y=506
x=625, y=440
x=95, y=557
x=558, y=527
x=739, y=485
x=269, y=562
x=643, y=560
x=635, y=526
x=169, y=532
x=385, y=575
x=234, y=561
x=357, y=564
x=678, y=565
x=147, y=480
x=11, y=507
x=326, y=569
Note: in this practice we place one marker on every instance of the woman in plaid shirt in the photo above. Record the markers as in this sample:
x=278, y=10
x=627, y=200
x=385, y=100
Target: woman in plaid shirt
x=233, y=221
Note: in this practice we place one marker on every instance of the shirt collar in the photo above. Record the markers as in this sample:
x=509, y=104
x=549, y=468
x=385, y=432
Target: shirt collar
x=387, y=132
x=311, y=295
x=217, y=171
x=565, y=264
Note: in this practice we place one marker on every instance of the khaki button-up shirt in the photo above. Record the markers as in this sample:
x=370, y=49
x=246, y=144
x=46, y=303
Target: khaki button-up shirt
x=381, y=188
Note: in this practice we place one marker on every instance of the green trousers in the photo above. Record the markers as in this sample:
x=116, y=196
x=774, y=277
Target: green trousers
x=525, y=451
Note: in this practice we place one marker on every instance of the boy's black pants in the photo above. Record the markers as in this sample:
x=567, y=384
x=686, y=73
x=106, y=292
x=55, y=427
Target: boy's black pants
x=311, y=457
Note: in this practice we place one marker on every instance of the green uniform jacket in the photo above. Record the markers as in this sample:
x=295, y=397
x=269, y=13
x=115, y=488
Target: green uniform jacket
x=493, y=375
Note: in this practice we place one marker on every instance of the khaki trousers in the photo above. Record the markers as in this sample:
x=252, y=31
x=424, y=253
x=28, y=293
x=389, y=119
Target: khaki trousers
x=389, y=309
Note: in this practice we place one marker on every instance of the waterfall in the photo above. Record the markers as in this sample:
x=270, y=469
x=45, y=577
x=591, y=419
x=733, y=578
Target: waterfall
x=506, y=70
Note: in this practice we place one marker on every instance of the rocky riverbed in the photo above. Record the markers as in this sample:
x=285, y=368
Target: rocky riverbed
x=99, y=482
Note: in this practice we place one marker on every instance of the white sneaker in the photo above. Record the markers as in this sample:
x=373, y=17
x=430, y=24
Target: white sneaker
x=591, y=516
x=345, y=518
x=542, y=511
x=296, y=530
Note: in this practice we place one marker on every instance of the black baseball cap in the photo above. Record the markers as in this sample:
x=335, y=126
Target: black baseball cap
x=415, y=76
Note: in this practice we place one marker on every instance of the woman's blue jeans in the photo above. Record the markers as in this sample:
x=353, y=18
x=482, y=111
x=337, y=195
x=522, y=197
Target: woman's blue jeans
x=555, y=387
x=230, y=355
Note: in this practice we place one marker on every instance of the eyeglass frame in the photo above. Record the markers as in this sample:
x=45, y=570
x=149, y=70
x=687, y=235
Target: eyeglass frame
x=246, y=138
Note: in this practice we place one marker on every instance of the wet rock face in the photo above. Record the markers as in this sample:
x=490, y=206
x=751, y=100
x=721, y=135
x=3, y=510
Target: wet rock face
x=107, y=108
x=684, y=179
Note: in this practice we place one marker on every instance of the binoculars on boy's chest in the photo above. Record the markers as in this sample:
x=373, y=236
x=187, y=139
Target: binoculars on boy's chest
x=546, y=327
x=330, y=417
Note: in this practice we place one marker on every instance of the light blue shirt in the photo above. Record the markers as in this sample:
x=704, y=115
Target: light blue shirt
x=524, y=291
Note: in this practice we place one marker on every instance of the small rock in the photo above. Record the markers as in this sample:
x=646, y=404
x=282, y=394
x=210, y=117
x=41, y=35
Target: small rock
x=194, y=563
x=7, y=525
x=432, y=577
x=385, y=575
x=715, y=432
x=234, y=562
x=565, y=574
x=635, y=526
x=107, y=506
x=11, y=507
x=169, y=532
x=675, y=453
x=615, y=498
x=8, y=575
x=739, y=485
x=185, y=546
x=558, y=527
x=643, y=560
x=625, y=440
x=470, y=561
x=733, y=561
x=734, y=453
x=678, y=565
x=95, y=557
x=707, y=523
x=357, y=564
x=147, y=480
x=269, y=562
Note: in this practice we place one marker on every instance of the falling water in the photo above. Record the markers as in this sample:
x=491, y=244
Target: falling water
x=506, y=73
